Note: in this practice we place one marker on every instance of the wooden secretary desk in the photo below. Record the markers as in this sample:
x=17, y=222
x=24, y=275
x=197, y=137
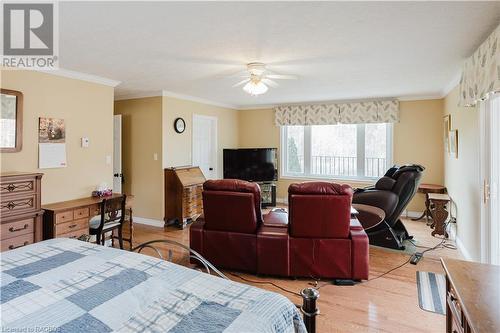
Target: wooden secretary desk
x=183, y=199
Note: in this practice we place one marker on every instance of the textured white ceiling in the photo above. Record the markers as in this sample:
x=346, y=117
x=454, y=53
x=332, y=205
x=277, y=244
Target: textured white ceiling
x=339, y=50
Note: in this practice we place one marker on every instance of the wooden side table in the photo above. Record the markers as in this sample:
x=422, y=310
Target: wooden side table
x=428, y=189
x=439, y=213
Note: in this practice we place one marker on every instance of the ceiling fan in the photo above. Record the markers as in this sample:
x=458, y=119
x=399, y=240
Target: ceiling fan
x=258, y=78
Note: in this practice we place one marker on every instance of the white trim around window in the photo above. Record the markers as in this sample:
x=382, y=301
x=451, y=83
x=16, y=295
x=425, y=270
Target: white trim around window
x=351, y=168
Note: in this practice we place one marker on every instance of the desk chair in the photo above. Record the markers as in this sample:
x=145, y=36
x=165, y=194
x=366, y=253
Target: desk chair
x=112, y=218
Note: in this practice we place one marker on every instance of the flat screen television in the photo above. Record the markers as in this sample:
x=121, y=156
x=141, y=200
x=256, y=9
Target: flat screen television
x=251, y=164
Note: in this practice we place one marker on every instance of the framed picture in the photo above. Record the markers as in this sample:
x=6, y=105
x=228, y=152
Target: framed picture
x=454, y=143
x=446, y=132
x=51, y=130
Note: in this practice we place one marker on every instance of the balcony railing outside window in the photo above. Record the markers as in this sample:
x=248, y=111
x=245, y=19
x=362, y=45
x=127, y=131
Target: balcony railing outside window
x=344, y=166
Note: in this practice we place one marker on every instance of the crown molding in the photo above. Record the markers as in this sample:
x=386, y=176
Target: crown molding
x=142, y=94
x=166, y=93
x=420, y=97
x=81, y=76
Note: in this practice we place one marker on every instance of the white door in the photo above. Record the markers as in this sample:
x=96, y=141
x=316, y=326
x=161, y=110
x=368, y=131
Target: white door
x=490, y=177
x=205, y=145
x=117, y=154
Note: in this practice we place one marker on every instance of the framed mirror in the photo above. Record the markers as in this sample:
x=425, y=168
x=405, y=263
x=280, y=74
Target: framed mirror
x=11, y=121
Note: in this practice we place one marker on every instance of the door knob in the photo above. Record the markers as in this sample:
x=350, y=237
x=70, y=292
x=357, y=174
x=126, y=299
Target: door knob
x=211, y=169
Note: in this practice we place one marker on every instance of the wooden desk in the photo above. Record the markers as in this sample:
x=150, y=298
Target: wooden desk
x=472, y=297
x=71, y=218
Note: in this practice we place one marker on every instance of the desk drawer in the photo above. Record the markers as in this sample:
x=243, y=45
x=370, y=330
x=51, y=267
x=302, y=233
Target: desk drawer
x=17, y=228
x=15, y=242
x=81, y=213
x=71, y=226
x=64, y=216
x=75, y=233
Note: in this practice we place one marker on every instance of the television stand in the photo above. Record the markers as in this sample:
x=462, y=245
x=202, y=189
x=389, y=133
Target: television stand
x=268, y=193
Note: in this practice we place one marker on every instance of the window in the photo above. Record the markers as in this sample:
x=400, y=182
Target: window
x=350, y=151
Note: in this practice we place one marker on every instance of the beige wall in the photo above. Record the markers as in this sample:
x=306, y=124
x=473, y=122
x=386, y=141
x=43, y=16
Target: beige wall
x=462, y=175
x=141, y=139
x=177, y=148
x=417, y=139
x=87, y=109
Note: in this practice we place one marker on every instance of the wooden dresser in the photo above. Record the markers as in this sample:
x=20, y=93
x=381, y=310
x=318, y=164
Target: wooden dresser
x=183, y=200
x=21, y=213
x=472, y=297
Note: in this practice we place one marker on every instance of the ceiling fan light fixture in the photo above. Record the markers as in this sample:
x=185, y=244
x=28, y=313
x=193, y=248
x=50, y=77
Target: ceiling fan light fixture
x=255, y=88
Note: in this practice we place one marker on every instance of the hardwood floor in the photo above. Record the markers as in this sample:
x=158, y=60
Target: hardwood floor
x=385, y=304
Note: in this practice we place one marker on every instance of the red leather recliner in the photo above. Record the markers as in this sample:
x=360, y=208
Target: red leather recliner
x=320, y=239
x=324, y=240
x=227, y=233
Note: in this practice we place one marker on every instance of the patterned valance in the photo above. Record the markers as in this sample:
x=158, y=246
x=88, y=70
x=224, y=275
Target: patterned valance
x=481, y=72
x=338, y=113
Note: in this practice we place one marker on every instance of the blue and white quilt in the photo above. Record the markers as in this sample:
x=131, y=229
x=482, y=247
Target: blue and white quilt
x=64, y=285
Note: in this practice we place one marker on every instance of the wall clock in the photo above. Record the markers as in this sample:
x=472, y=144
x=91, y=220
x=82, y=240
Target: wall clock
x=179, y=125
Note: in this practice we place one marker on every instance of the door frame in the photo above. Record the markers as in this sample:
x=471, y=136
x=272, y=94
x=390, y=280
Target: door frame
x=120, y=162
x=215, y=145
x=490, y=198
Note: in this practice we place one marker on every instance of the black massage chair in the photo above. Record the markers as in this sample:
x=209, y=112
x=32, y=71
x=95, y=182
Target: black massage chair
x=392, y=193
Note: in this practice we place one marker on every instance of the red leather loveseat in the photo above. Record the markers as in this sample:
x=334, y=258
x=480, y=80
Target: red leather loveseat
x=317, y=238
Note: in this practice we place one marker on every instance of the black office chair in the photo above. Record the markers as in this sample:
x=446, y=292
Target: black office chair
x=392, y=193
x=112, y=218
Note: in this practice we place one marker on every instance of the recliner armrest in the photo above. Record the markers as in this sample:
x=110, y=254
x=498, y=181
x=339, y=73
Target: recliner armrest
x=273, y=251
x=355, y=225
x=360, y=251
x=277, y=219
x=196, y=236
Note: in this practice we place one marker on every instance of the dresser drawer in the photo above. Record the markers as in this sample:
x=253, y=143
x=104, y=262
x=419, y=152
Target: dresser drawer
x=64, y=216
x=63, y=228
x=456, y=310
x=81, y=213
x=16, y=187
x=15, y=242
x=17, y=228
x=18, y=205
x=75, y=233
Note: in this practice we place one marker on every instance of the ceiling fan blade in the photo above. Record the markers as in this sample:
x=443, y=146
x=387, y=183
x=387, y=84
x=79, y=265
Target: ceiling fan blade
x=270, y=83
x=282, y=77
x=241, y=82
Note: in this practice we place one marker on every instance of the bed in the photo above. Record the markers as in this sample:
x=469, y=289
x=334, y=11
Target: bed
x=66, y=285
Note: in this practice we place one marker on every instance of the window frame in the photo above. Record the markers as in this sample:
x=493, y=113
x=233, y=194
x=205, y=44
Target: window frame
x=360, y=133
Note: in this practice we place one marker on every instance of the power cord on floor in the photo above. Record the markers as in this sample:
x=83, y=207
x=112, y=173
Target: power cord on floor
x=389, y=271
x=264, y=282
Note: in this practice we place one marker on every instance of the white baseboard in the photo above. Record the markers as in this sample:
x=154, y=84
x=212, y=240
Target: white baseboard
x=463, y=250
x=411, y=214
x=151, y=222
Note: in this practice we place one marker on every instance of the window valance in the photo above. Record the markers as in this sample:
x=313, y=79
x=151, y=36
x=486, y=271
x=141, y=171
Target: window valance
x=338, y=113
x=481, y=72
